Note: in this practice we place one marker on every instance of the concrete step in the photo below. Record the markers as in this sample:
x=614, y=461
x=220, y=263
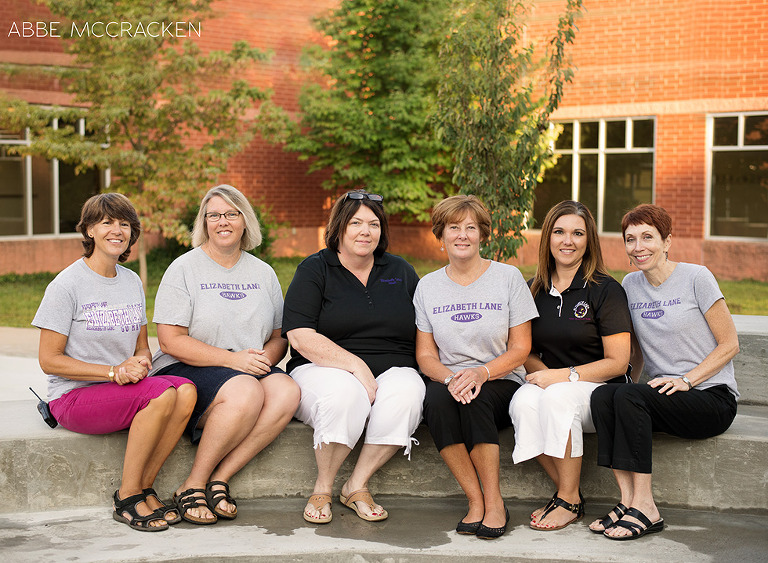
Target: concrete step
x=43, y=469
x=417, y=530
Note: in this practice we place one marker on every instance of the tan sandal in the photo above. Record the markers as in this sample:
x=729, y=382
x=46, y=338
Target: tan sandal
x=362, y=495
x=318, y=501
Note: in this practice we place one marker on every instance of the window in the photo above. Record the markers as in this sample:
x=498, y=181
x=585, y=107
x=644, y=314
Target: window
x=39, y=196
x=738, y=199
x=606, y=164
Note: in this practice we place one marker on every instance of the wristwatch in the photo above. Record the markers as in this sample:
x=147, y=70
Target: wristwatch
x=448, y=379
x=111, y=374
x=574, y=375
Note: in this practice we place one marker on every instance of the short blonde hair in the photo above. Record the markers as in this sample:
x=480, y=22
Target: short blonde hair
x=251, y=236
x=453, y=209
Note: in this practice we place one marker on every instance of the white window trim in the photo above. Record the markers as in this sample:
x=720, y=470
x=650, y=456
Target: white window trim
x=601, y=151
x=711, y=149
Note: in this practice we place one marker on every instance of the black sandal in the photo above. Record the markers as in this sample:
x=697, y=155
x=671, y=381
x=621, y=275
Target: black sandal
x=607, y=522
x=551, y=503
x=637, y=530
x=186, y=500
x=164, y=510
x=134, y=520
x=215, y=497
x=577, y=509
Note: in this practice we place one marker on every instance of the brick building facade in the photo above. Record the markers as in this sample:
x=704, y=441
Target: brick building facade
x=669, y=105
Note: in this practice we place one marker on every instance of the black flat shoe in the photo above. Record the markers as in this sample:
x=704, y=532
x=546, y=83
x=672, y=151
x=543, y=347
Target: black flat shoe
x=486, y=533
x=468, y=528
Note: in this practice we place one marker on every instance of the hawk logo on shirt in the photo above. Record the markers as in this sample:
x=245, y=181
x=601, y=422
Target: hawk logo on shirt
x=581, y=309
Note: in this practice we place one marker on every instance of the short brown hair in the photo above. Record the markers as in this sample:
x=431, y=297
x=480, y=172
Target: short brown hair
x=592, y=262
x=649, y=214
x=341, y=214
x=111, y=206
x=453, y=209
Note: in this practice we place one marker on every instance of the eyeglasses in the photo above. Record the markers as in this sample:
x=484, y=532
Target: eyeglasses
x=229, y=216
x=363, y=195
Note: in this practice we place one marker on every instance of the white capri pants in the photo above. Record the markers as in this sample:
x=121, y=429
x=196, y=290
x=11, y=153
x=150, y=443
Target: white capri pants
x=335, y=404
x=543, y=418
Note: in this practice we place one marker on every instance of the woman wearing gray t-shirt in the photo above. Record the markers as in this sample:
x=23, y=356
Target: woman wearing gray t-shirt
x=687, y=341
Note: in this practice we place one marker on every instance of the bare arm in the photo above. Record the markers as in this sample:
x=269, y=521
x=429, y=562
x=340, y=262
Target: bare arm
x=54, y=361
x=534, y=363
x=428, y=357
x=616, y=351
x=721, y=324
x=636, y=359
x=322, y=351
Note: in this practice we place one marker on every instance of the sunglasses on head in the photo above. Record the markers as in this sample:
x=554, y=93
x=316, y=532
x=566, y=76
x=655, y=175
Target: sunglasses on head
x=364, y=195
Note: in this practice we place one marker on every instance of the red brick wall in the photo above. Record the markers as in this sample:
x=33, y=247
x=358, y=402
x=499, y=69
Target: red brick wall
x=677, y=60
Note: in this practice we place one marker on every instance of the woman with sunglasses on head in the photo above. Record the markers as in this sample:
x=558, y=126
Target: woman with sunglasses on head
x=474, y=333
x=580, y=340
x=350, y=321
x=94, y=348
x=218, y=312
x=687, y=342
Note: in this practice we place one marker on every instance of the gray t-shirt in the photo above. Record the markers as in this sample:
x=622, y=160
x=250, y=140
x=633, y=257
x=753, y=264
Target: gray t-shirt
x=101, y=318
x=670, y=325
x=470, y=324
x=233, y=309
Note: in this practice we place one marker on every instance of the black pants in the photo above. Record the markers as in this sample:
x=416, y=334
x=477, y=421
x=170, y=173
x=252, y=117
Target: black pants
x=478, y=422
x=627, y=414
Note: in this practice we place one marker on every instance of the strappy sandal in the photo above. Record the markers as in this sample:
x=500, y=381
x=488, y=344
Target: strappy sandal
x=364, y=496
x=318, y=501
x=186, y=500
x=577, y=509
x=164, y=510
x=215, y=497
x=607, y=522
x=637, y=530
x=548, y=506
x=134, y=520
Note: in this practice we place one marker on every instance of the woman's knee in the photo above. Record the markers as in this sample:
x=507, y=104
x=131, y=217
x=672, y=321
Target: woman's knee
x=241, y=393
x=186, y=398
x=525, y=402
x=282, y=390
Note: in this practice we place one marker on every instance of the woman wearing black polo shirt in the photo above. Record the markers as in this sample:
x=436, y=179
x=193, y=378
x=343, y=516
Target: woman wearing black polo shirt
x=580, y=340
x=349, y=318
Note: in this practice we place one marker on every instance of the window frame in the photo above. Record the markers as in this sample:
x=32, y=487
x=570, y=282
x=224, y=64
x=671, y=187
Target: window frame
x=104, y=179
x=602, y=151
x=711, y=149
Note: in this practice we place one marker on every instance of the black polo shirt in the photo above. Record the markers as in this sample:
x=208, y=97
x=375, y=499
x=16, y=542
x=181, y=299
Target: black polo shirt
x=375, y=322
x=570, y=326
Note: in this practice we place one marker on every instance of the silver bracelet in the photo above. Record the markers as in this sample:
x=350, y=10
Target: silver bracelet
x=688, y=381
x=489, y=373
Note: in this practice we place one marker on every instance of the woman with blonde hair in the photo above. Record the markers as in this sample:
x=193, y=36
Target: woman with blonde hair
x=218, y=312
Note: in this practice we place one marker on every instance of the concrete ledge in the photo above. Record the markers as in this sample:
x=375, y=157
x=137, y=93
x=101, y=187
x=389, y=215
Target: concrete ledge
x=43, y=469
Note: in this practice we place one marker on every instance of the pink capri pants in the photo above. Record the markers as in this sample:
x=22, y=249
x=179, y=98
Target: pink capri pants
x=108, y=407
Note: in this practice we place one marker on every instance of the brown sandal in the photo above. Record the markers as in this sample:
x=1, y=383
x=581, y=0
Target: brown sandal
x=362, y=495
x=318, y=501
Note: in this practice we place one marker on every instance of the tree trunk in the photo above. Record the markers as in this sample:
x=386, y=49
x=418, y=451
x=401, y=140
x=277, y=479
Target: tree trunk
x=143, y=262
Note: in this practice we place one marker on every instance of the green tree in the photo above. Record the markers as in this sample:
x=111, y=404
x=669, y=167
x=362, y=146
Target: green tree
x=161, y=115
x=365, y=116
x=494, y=103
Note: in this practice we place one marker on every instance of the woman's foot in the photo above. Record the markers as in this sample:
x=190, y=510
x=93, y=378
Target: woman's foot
x=219, y=500
x=318, y=509
x=607, y=521
x=366, y=511
x=561, y=513
x=169, y=511
x=650, y=512
x=193, y=506
x=134, y=511
x=536, y=514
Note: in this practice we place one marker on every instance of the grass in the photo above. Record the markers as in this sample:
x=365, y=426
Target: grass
x=20, y=294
